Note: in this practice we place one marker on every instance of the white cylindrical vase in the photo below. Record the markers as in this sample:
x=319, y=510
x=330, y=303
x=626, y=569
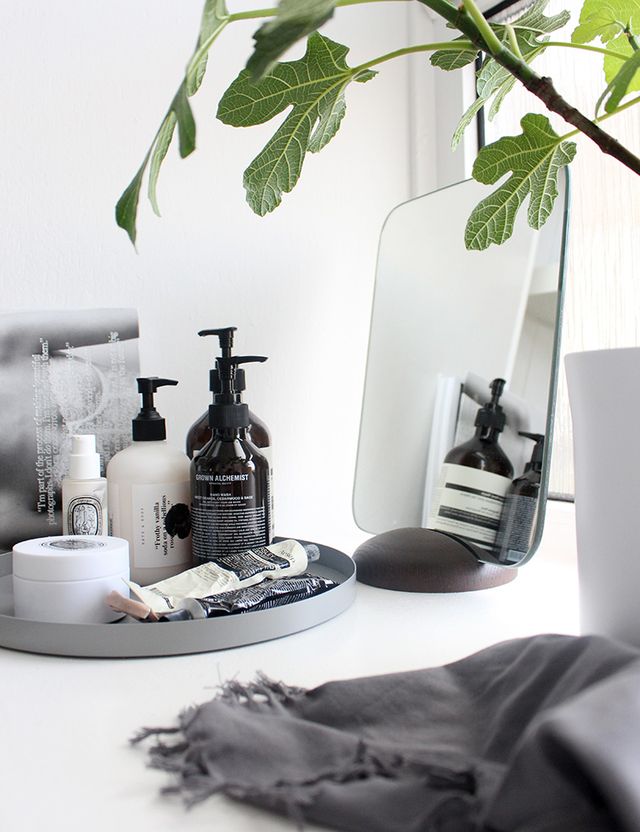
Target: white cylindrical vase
x=604, y=394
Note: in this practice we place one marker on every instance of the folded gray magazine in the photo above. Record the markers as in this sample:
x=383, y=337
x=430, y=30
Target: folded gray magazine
x=62, y=372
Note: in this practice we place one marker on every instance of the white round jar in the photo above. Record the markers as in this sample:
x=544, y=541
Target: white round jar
x=67, y=578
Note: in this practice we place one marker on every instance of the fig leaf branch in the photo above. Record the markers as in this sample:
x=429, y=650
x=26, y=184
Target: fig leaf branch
x=308, y=96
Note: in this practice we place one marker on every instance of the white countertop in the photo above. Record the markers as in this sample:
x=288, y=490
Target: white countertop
x=65, y=762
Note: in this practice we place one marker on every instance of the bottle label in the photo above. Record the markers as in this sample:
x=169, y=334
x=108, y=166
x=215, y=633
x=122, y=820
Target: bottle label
x=267, y=453
x=468, y=503
x=244, y=565
x=228, y=517
x=259, y=561
x=85, y=516
x=161, y=525
x=514, y=537
x=84, y=506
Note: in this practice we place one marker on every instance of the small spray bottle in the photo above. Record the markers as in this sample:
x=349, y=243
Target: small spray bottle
x=84, y=491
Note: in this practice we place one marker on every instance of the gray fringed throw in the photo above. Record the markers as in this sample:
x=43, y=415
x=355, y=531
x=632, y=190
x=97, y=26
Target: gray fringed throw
x=531, y=735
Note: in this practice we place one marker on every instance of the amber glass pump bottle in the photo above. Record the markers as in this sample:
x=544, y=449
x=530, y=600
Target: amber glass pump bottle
x=484, y=451
x=230, y=478
x=521, y=506
x=474, y=480
x=200, y=431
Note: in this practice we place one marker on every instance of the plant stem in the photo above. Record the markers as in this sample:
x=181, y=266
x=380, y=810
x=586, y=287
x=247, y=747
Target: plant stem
x=633, y=43
x=604, y=117
x=342, y=3
x=541, y=87
x=600, y=49
x=513, y=42
x=486, y=32
x=271, y=12
x=450, y=45
x=252, y=15
x=204, y=47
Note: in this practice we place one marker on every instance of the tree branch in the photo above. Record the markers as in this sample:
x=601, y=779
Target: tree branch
x=541, y=87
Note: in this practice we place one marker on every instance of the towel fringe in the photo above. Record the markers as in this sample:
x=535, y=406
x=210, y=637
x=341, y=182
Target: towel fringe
x=187, y=760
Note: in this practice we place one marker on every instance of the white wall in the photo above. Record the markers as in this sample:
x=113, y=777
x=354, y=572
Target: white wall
x=83, y=87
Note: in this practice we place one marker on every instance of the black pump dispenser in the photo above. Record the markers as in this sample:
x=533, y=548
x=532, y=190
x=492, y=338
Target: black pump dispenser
x=148, y=425
x=225, y=334
x=200, y=431
x=521, y=507
x=535, y=463
x=491, y=416
x=227, y=411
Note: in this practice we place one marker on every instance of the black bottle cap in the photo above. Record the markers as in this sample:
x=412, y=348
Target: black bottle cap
x=215, y=385
x=229, y=416
x=148, y=425
x=535, y=463
x=226, y=411
x=491, y=415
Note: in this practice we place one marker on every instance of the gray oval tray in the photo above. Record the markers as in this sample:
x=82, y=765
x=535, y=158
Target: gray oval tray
x=126, y=639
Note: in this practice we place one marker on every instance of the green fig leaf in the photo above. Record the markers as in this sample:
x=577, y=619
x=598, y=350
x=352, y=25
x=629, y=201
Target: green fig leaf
x=469, y=115
x=606, y=19
x=500, y=96
x=295, y=19
x=450, y=59
x=313, y=87
x=626, y=80
x=127, y=205
x=534, y=159
x=186, y=124
x=535, y=21
x=613, y=65
x=214, y=19
x=493, y=80
x=160, y=148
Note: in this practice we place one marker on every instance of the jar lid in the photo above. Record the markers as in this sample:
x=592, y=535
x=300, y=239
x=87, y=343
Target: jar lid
x=70, y=558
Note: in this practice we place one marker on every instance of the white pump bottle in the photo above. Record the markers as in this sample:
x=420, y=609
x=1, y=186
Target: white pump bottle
x=149, y=495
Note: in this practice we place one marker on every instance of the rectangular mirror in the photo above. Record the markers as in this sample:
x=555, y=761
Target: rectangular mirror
x=446, y=322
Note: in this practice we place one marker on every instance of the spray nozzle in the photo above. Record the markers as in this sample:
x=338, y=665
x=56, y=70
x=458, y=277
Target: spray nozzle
x=491, y=415
x=149, y=426
x=84, y=461
x=535, y=463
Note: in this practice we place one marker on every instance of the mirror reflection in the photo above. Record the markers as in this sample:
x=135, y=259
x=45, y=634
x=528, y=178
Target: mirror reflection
x=456, y=421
